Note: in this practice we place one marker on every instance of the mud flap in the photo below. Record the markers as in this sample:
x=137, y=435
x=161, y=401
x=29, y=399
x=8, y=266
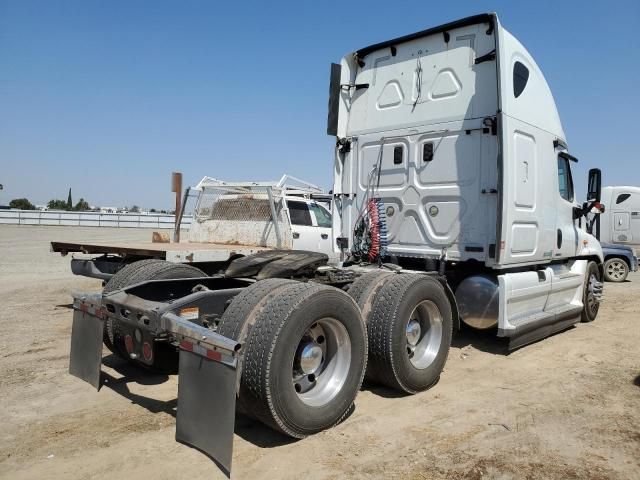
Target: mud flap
x=206, y=406
x=86, y=343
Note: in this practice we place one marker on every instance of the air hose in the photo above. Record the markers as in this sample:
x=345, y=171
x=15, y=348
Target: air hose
x=370, y=233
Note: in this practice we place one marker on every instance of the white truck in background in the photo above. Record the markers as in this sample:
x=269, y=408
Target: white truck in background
x=620, y=221
x=231, y=220
x=616, y=224
x=453, y=204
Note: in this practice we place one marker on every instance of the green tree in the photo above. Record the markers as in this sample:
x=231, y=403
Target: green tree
x=82, y=205
x=69, y=201
x=57, y=205
x=135, y=209
x=22, y=204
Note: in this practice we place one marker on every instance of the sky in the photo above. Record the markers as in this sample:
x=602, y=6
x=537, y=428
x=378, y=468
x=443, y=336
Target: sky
x=109, y=97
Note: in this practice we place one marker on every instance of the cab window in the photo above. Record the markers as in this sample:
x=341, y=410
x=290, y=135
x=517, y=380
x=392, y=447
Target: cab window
x=565, y=182
x=520, y=78
x=622, y=197
x=299, y=213
x=323, y=217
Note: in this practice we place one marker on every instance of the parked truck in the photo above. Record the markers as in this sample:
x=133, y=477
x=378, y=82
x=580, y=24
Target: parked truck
x=620, y=221
x=615, y=222
x=453, y=207
x=231, y=220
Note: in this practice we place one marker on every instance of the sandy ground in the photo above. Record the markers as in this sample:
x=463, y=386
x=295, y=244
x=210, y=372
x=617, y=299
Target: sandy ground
x=565, y=407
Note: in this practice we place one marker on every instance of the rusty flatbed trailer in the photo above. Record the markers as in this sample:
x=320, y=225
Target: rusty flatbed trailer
x=172, y=252
x=115, y=255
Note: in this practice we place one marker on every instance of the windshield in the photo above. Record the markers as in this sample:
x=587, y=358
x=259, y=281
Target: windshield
x=323, y=217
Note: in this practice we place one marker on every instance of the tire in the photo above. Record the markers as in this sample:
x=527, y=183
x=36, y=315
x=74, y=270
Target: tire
x=616, y=270
x=240, y=315
x=366, y=287
x=409, y=328
x=136, y=272
x=276, y=385
x=236, y=319
x=591, y=305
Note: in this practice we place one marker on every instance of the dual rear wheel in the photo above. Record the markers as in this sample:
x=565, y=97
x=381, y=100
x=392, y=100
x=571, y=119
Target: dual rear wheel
x=306, y=347
x=409, y=323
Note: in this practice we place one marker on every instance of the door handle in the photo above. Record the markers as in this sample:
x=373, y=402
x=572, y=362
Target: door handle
x=324, y=236
x=296, y=235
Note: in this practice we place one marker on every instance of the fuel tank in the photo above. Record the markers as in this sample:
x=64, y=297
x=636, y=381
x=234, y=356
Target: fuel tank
x=477, y=298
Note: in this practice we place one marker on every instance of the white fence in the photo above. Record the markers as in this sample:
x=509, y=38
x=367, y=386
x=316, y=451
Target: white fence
x=91, y=219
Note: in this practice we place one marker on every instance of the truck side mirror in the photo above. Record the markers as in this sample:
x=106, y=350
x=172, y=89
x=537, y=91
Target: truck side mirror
x=334, y=99
x=594, y=185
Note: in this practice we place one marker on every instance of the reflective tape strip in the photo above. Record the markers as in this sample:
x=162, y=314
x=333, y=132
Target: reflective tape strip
x=90, y=309
x=211, y=354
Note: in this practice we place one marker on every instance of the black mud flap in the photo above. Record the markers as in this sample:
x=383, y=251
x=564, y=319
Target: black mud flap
x=207, y=379
x=206, y=407
x=86, y=340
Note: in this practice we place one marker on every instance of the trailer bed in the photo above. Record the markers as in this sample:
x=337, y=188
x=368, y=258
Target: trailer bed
x=183, y=252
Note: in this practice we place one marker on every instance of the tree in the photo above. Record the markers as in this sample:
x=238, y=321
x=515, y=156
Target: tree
x=69, y=201
x=57, y=205
x=82, y=205
x=22, y=204
x=153, y=210
x=135, y=209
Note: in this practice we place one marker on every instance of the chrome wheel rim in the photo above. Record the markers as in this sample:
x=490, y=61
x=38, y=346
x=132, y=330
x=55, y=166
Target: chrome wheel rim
x=321, y=362
x=592, y=300
x=616, y=270
x=423, y=334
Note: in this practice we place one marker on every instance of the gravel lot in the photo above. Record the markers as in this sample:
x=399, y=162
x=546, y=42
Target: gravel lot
x=565, y=407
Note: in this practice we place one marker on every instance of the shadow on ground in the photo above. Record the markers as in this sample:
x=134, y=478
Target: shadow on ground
x=249, y=429
x=485, y=341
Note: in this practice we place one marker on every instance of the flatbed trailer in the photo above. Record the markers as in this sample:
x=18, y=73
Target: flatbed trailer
x=114, y=255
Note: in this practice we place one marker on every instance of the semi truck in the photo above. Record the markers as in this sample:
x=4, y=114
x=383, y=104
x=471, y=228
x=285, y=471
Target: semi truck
x=453, y=207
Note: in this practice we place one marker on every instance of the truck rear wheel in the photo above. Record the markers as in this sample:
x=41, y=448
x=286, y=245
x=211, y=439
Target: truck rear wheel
x=366, y=287
x=410, y=328
x=304, y=356
x=136, y=272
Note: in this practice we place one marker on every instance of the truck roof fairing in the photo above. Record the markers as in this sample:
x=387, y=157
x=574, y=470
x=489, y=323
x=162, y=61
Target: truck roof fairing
x=538, y=107
x=490, y=18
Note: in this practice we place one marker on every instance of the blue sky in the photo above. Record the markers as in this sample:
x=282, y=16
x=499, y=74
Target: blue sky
x=108, y=97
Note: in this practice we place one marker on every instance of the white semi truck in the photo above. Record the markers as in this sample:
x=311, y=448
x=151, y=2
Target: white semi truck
x=620, y=221
x=453, y=204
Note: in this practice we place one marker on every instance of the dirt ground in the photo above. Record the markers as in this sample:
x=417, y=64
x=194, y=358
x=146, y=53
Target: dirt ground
x=565, y=407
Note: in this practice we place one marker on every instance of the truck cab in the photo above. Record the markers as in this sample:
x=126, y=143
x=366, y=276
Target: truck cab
x=451, y=154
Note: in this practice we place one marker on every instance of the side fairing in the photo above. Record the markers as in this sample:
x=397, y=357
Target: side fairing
x=537, y=224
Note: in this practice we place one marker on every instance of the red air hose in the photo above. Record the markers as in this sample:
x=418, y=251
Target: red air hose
x=374, y=230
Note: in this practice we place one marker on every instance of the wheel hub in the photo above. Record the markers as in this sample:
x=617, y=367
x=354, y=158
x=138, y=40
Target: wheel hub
x=615, y=270
x=424, y=334
x=321, y=362
x=310, y=358
x=413, y=332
